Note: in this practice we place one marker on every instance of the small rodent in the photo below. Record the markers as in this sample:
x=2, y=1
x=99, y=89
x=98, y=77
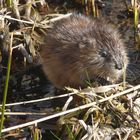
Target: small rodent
x=79, y=48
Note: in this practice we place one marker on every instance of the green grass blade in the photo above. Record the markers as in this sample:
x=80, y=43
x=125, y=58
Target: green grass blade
x=6, y=85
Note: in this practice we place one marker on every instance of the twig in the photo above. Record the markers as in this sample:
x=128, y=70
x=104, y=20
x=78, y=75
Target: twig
x=101, y=89
x=23, y=113
x=32, y=23
x=19, y=20
x=39, y=100
x=24, y=52
x=57, y=18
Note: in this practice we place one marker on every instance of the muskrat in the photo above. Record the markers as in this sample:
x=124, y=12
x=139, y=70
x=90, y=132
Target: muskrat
x=79, y=48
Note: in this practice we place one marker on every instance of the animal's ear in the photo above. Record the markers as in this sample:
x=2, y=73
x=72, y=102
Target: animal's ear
x=87, y=42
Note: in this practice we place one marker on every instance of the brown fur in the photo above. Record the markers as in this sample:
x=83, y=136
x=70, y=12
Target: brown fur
x=79, y=46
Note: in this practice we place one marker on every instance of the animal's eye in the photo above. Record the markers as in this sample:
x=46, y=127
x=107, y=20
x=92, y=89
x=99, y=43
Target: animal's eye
x=103, y=54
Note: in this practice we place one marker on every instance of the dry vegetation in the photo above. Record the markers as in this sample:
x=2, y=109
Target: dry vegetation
x=102, y=113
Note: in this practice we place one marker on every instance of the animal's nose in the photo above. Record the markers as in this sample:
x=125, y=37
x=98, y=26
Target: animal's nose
x=119, y=65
